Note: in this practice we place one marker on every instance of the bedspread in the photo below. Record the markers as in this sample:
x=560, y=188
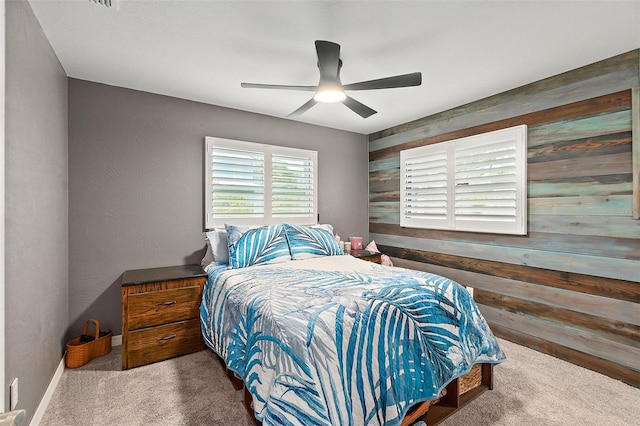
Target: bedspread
x=340, y=341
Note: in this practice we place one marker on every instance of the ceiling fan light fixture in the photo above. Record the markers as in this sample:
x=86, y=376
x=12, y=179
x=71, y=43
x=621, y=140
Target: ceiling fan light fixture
x=329, y=94
x=330, y=88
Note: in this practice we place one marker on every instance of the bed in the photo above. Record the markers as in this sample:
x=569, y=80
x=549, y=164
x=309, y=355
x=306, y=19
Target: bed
x=322, y=338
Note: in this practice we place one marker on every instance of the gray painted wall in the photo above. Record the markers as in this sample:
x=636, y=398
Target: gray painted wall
x=136, y=184
x=36, y=232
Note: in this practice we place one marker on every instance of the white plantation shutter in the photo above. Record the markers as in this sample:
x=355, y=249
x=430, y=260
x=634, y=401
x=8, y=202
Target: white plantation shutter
x=253, y=184
x=425, y=187
x=485, y=185
x=293, y=185
x=237, y=179
x=486, y=178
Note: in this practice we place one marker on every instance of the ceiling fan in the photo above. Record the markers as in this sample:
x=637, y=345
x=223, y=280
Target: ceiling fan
x=330, y=88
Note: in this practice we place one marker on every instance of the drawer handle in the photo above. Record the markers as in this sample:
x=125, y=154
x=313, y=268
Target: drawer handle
x=171, y=302
x=166, y=338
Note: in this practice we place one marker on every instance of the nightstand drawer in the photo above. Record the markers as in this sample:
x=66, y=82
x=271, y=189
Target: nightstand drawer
x=162, y=307
x=161, y=313
x=163, y=342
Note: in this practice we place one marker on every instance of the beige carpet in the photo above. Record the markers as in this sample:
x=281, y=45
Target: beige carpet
x=530, y=389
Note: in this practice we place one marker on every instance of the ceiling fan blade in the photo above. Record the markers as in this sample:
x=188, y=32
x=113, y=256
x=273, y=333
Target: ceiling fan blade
x=311, y=102
x=404, y=80
x=277, y=86
x=359, y=108
x=328, y=60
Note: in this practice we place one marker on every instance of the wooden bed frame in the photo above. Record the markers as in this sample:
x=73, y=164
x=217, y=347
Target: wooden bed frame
x=459, y=393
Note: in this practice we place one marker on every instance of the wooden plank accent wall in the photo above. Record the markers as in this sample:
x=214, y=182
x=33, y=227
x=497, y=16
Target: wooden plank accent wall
x=636, y=150
x=571, y=286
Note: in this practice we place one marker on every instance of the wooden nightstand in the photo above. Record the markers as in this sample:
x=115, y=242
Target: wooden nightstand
x=366, y=255
x=161, y=313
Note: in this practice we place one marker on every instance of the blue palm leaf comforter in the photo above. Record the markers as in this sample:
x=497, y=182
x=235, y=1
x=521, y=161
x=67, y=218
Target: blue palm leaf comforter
x=339, y=341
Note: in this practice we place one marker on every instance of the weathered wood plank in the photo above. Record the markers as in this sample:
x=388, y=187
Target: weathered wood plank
x=387, y=196
x=580, y=128
x=621, y=248
x=383, y=217
x=603, y=205
x=622, y=269
x=457, y=268
x=390, y=162
x=384, y=185
x=622, y=354
x=613, y=226
x=384, y=212
x=604, y=366
x=607, y=103
x=603, y=165
x=613, y=309
x=610, y=329
x=583, y=186
x=384, y=206
x=386, y=175
x=636, y=150
x=614, y=143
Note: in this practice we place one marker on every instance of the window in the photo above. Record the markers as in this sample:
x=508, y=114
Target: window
x=250, y=183
x=477, y=183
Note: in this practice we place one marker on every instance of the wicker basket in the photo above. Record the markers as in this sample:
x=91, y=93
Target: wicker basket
x=471, y=380
x=80, y=352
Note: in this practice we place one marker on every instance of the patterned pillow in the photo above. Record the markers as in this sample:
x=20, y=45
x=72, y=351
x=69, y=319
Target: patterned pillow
x=306, y=242
x=267, y=244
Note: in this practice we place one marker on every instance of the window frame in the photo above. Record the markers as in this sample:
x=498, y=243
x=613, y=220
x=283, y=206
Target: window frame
x=211, y=222
x=450, y=220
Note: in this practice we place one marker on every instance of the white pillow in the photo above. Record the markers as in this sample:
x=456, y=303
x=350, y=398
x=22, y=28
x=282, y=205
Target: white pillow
x=325, y=226
x=208, y=257
x=217, y=249
x=217, y=240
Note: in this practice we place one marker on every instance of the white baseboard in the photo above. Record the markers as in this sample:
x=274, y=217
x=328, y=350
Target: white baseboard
x=44, y=403
x=116, y=340
x=46, y=399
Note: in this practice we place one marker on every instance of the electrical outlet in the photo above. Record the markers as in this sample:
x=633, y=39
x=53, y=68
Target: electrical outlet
x=13, y=395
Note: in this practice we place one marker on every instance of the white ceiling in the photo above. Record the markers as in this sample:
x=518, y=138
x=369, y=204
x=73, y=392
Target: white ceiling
x=203, y=50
